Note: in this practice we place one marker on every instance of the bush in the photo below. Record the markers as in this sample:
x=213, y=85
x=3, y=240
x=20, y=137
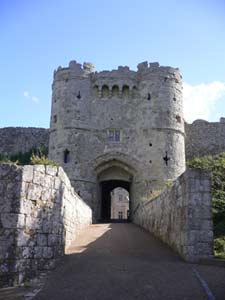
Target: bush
x=219, y=247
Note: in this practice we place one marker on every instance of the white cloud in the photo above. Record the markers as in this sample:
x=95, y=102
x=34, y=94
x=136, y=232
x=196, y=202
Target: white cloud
x=34, y=99
x=26, y=94
x=200, y=100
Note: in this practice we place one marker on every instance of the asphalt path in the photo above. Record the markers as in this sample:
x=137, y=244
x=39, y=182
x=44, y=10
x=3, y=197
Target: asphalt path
x=123, y=261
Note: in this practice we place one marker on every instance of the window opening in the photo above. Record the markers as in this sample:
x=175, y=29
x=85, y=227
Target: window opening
x=66, y=156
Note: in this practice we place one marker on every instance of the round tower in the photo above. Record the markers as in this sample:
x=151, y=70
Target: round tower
x=161, y=113
x=70, y=122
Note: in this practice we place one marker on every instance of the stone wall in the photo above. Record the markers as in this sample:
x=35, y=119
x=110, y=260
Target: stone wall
x=22, y=139
x=204, y=138
x=182, y=215
x=40, y=214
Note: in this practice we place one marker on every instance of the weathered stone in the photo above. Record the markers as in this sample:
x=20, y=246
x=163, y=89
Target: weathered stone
x=34, y=192
x=39, y=169
x=51, y=170
x=53, y=239
x=36, y=232
x=204, y=138
x=38, y=252
x=47, y=252
x=22, y=238
x=10, y=220
x=41, y=239
x=19, y=139
x=28, y=172
x=183, y=224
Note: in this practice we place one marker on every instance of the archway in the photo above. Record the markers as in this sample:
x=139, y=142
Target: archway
x=110, y=175
x=106, y=188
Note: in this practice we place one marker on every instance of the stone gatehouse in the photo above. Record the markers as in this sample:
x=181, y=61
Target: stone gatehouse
x=117, y=128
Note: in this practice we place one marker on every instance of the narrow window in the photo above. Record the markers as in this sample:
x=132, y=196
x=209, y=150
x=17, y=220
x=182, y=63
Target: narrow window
x=125, y=92
x=115, y=91
x=79, y=95
x=105, y=91
x=66, y=156
x=55, y=118
x=166, y=158
x=111, y=135
x=117, y=135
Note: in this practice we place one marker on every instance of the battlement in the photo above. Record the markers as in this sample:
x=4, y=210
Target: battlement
x=145, y=70
x=74, y=69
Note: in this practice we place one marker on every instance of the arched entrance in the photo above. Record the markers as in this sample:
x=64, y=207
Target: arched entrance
x=106, y=187
x=112, y=174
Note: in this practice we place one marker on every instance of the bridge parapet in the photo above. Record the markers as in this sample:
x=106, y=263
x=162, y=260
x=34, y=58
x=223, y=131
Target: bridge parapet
x=182, y=215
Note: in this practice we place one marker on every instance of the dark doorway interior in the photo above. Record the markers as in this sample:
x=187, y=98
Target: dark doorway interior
x=106, y=188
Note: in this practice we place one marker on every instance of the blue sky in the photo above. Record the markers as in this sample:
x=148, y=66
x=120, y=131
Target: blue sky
x=38, y=36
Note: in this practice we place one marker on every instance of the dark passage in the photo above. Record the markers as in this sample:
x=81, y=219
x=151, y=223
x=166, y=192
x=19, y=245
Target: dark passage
x=106, y=188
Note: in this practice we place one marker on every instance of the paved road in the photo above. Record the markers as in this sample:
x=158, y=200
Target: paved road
x=122, y=261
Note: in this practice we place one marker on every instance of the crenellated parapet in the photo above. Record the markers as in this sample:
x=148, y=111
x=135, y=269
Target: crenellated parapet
x=74, y=70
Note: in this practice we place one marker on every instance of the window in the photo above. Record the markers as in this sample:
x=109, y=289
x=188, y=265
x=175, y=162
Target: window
x=105, y=91
x=117, y=135
x=113, y=135
x=66, y=156
x=120, y=215
x=115, y=91
x=125, y=92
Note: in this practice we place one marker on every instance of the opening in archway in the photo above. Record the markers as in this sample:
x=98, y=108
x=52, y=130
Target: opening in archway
x=109, y=194
x=120, y=204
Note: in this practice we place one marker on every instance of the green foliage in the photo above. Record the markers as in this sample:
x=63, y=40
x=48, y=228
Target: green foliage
x=215, y=164
x=33, y=156
x=5, y=160
x=219, y=247
x=40, y=159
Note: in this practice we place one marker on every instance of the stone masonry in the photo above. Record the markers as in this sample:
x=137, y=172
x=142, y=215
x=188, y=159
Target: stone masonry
x=21, y=139
x=182, y=215
x=40, y=214
x=204, y=138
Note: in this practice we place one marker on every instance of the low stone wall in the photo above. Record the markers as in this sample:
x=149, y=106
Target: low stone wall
x=40, y=214
x=22, y=139
x=182, y=215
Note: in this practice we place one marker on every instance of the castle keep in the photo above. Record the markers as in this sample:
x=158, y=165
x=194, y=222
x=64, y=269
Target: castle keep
x=117, y=128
